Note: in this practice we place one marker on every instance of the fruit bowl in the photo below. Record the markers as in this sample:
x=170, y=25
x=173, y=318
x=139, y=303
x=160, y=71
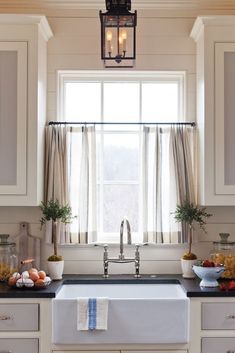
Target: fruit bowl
x=208, y=275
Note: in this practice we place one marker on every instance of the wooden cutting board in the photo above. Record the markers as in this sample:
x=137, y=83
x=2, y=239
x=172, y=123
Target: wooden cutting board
x=27, y=245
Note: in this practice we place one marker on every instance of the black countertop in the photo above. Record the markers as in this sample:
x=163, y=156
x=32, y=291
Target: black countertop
x=191, y=286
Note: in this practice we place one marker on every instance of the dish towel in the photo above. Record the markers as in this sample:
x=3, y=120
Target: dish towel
x=92, y=314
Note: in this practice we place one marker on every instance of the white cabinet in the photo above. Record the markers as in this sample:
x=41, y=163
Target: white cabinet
x=122, y=351
x=20, y=345
x=212, y=327
x=155, y=351
x=25, y=325
x=218, y=345
x=23, y=77
x=215, y=38
x=19, y=317
x=76, y=351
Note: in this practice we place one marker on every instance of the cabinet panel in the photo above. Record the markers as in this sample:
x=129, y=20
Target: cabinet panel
x=13, y=117
x=100, y=351
x=21, y=345
x=161, y=351
x=218, y=345
x=218, y=316
x=19, y=317
x=224, y=118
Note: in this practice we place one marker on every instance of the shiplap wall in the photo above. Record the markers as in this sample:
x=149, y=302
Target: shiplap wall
x=163, y=43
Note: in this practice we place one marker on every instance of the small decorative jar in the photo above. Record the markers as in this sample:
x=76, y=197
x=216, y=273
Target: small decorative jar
x=8, y=258
x=224, y=254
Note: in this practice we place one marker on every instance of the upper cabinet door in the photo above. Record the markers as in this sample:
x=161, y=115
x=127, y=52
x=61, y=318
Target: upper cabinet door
x=23, y=92
x=13, y=117
x=215, y=38
x=225, y=118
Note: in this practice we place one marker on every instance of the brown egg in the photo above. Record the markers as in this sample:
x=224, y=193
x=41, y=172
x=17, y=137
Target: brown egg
x=39, y=283
x=33, y=270
x=42, y=274
x=34, y=276
x=12, y=281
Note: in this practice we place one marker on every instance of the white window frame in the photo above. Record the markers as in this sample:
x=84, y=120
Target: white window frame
x=67, y=76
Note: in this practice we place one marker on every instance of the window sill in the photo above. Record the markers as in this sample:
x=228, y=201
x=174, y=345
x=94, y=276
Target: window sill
x=117, y=245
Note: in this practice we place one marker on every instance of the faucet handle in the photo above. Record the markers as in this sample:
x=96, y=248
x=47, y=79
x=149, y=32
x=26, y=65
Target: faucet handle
x=105, y=252
x=140, y=245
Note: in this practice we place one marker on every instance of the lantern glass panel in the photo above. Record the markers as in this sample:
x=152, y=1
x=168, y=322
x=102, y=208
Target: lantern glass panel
x=118, y=42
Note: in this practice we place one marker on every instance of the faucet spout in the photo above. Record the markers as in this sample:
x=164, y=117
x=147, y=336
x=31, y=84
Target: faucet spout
x=125, y=220
x=121, y=259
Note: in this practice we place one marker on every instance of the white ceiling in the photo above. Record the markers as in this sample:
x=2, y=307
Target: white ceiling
x=136, y=4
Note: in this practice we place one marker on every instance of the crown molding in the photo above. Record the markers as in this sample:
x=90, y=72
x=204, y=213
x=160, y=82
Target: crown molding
x=136, y=4
x=38, y=20
x=203, y=21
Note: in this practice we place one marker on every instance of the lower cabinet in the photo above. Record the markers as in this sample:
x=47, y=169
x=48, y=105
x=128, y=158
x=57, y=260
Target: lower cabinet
x=218, y=345
x=101, y=351
x=19, y=345
x=25, y=325
x=161, y=351
x=129, y=351
x=212, y=325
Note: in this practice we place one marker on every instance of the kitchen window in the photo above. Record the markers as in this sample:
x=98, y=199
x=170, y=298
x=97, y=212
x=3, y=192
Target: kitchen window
x=119, y=97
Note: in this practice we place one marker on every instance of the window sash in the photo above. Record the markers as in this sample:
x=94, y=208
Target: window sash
x=103, y=77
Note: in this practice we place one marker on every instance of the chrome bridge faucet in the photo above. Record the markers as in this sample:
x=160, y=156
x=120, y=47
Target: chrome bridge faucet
x=121, y=258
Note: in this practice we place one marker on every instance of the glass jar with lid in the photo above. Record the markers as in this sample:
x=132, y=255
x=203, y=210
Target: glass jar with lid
x=8, y=258
x=224, y=254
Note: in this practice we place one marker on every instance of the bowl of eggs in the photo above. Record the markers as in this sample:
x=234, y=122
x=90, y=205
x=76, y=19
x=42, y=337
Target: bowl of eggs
x=29, y=279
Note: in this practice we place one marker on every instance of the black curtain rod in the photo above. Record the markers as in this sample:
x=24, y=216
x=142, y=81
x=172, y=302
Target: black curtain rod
x=117, y=123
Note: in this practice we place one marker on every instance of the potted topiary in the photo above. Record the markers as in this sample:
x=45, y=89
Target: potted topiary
x=190, y=214
x=52, y=210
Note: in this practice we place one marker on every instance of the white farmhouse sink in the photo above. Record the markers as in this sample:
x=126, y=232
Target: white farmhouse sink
x=138, y=313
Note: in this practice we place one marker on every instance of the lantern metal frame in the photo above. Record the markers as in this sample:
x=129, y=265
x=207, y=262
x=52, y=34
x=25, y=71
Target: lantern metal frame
x=118, y=16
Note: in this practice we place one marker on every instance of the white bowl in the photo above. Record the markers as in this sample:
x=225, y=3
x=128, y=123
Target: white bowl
x=208, y=275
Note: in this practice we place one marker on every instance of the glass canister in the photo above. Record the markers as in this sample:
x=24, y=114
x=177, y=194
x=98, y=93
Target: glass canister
x=224, y=254
x=8, y=258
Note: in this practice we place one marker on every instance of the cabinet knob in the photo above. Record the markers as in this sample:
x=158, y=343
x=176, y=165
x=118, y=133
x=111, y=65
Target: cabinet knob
x=5, y=318
x=231, y=316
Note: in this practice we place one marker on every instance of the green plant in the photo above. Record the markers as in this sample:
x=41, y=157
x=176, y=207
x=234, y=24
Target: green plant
x=52, y=210
x=189, y=213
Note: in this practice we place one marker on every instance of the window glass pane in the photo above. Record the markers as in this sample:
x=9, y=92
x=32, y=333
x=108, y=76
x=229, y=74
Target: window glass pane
x=160, y=101
x=121, y=101
x=120, y=201
x=82, y=101
x=121, y=156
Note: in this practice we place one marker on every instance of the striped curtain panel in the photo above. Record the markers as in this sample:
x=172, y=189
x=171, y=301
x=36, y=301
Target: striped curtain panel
x=167, y=179
x=56, y=180
x=70, y=178
x=83, y=184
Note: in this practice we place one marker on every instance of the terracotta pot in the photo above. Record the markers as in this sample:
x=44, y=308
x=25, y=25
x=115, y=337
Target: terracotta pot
x=186, y=266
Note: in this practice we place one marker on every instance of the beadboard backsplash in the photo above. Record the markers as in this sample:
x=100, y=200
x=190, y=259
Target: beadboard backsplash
x=84, y=259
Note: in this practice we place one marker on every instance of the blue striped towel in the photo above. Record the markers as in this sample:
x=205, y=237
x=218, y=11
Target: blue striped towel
x=92, y=314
